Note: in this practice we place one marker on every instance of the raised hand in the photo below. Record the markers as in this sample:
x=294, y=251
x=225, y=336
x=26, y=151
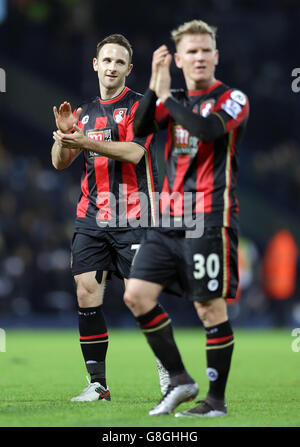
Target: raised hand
x=64, y=118
x=163, y=79
x=158, y=59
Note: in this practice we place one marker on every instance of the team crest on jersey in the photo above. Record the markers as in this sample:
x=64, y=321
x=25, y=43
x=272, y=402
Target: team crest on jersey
x=206, y=107
x=119, y=115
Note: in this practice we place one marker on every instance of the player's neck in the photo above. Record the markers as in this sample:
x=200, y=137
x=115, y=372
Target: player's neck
x=200, y=85
x=110, y=93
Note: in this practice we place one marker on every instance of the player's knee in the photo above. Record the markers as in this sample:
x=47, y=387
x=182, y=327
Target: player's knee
x=83, y=298
x=203, y=309
x=86, y=296
x=131, y=298
x=127, y=299
x=211, y=312
x=132, y=295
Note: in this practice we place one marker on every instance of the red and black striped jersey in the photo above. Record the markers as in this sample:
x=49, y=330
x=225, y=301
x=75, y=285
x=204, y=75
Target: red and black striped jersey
x=114, y=193
x=202, y=164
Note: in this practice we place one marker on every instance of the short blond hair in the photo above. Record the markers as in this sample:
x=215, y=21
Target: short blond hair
x=194, y=27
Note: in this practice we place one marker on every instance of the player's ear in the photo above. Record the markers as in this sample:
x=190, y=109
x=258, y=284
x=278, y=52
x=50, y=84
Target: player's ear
x=177, y=60
x=216, y=57
x=129, y=69
x=95, y=64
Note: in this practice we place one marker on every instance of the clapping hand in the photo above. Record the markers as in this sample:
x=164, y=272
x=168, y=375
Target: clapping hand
x=75, y=140
x=64, y=118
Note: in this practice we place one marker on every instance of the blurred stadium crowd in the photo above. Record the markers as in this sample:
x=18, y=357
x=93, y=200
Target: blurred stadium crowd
x=52, y=43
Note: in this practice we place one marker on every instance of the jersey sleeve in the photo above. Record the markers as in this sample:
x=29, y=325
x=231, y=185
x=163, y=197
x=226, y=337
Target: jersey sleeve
x=226, y=115
x=205, y=128
x=150, y=116
x=232, y=108
x=161, y=114
x=143, y=141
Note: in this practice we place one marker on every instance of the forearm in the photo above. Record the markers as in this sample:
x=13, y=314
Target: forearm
x=117, y=150
x=144, y=120
x=206, y=129
x=62, y=158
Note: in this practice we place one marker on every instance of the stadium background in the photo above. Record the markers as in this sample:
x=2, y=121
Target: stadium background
x=46, y=49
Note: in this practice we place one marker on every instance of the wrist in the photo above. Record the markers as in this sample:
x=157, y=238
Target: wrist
x=165, y=96
x=152, y=82
x=64, y=130
x=89, y=143
x=93, y=145
x=152, y=85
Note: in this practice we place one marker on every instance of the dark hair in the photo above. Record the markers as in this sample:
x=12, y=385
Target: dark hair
x=119, y=39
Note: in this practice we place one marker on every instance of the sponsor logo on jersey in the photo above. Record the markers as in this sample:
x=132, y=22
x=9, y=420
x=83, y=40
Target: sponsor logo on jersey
x=99, y=135
x=238, y=96
x=232, y=108
x=119, y=115
x=206, y=107
x=184, y=143
x=85, y=119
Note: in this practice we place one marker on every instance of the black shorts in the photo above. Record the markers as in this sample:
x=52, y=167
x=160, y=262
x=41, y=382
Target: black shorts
x=203, y=268
x=112, y=251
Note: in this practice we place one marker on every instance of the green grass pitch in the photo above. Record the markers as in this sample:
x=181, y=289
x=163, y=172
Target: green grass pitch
x=42, y=369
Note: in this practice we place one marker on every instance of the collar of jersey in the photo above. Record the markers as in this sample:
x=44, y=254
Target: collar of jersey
x=206, y=90
x=116, y=98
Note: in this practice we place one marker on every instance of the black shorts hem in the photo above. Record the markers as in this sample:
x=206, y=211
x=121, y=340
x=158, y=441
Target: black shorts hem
x=91, y=269
x=142, y=278
x=208, y=298
x=170, y=287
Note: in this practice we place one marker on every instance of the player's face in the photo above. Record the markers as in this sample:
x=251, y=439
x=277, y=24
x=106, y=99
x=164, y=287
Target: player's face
x=197, y=58
x=112, y=66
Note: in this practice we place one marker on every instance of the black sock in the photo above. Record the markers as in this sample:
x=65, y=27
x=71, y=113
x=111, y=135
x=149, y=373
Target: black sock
x=93, y=341
x=156, y=325
x=219, y=347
